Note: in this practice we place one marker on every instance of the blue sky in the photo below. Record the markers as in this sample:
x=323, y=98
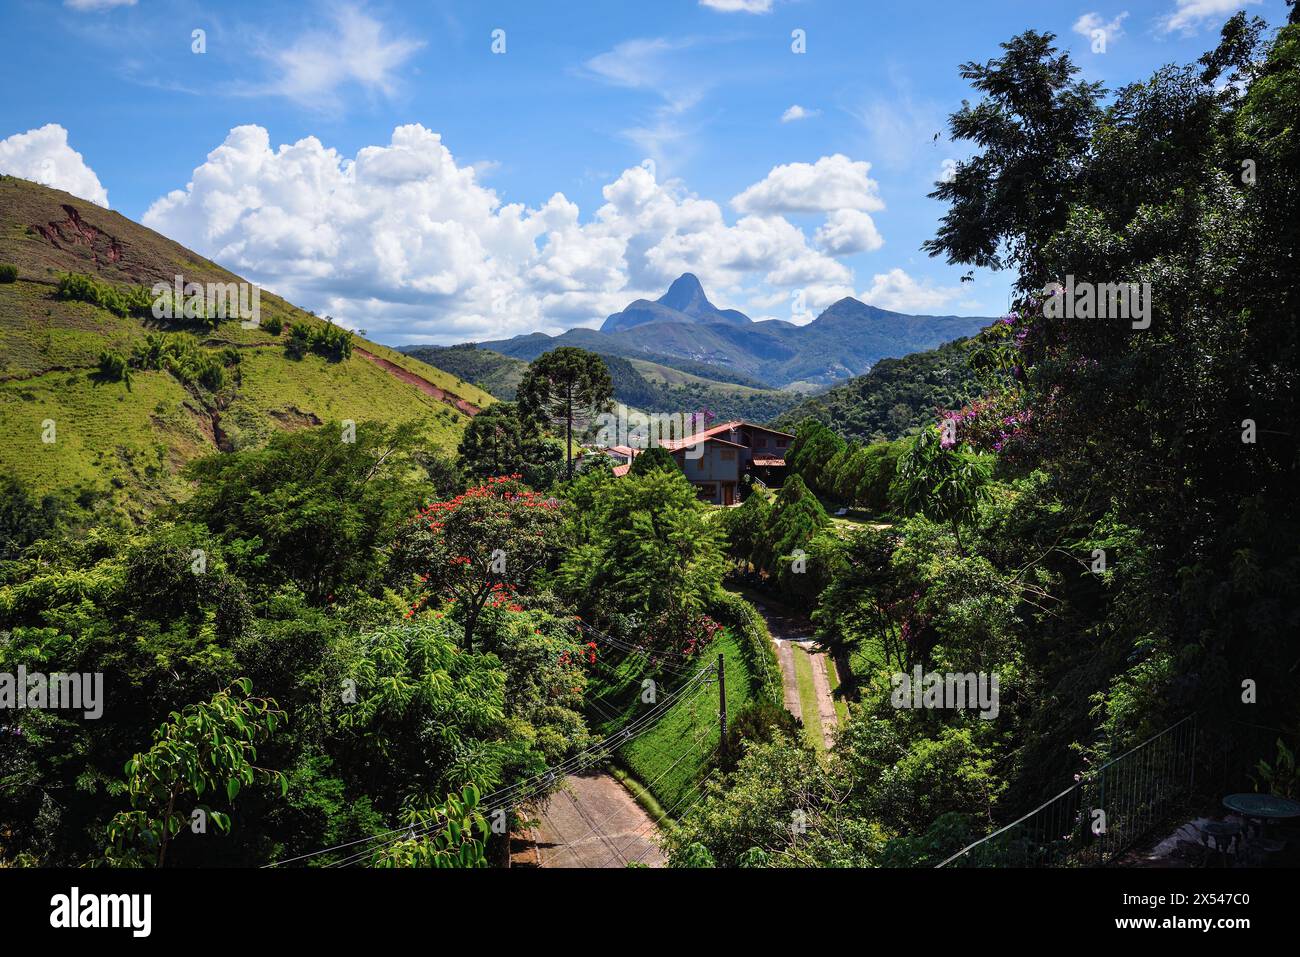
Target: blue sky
x=440, y=191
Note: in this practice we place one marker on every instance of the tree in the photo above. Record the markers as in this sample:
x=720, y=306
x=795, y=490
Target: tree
x=813, y=448
x=453, y=834
x=205, y=748
x=25, y=519
x=942, y=483
x=428, y=716
x=1033, y=124
x=499, y=441
x=746, y=530
x=652, y=553
x=565, y=385
x=1170, y=447
x=862, y=602
x=655, y=457
x=443, y=470
x=310, y=507
x=795, y=518
x=779, y=808
x=486, y=543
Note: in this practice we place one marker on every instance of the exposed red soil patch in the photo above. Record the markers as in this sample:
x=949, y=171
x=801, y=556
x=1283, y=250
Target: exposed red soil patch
x=424, y=385
x=75, y=231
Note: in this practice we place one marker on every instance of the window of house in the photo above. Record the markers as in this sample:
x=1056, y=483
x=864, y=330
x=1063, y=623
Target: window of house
x=781, y=443
x=728, y=455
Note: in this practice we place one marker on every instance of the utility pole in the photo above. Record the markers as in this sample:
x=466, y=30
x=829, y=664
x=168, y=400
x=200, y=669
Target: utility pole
x=722, y=704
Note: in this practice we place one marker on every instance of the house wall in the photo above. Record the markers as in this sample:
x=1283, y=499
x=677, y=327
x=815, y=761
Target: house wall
x=718, y=464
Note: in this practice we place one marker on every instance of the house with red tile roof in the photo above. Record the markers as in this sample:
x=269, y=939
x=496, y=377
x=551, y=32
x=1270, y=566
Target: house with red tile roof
x=717, y=459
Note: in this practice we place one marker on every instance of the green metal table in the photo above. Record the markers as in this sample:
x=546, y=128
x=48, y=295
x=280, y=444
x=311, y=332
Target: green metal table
x=1264, y=809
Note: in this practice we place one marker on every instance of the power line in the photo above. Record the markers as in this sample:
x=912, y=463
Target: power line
x=698, y=798
x=649, y=784
x=662, y=817
x=521, y=791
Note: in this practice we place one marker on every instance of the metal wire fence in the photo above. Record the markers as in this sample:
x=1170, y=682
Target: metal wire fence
x=1101, y=815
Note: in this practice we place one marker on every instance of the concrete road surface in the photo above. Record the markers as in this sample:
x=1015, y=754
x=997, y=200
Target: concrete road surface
x=594, y=822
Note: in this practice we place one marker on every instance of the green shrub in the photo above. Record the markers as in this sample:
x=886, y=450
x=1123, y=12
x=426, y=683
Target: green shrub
x=299, y=340
x=183, y=357
x=751, y=634
x=8, y=272
x=759, y=720
x=114, y=367
x=332, y=342
x=273, y=326
x=329, y=341
x=131, y=301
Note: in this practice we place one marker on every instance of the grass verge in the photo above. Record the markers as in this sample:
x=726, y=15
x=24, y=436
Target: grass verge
x=833, y=678
x=670, y=759
x=803, y=676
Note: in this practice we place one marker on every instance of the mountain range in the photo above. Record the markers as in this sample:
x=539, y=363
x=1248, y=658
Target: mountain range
x=683, y=326
x=684, y=302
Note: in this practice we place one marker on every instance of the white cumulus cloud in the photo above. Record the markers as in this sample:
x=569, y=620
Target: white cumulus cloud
x=899, y=292
x=407, y=243
x=833, y=182
x=1189, y=15
x=848, y=231
x=44, y=156
x=1093, y=26
x=798, y=112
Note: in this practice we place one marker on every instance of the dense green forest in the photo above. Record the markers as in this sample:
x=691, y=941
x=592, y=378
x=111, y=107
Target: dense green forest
x=490, y=371
x=1162, y=450
x=897, y=397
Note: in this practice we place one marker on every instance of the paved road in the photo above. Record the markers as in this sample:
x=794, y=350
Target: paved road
x=594, y=822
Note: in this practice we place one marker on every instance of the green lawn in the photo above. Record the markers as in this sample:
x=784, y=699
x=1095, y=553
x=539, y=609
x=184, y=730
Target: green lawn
x=671, y=759
x=803, y=676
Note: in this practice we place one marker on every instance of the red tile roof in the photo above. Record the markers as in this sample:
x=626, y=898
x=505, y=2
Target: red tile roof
x=674, y=444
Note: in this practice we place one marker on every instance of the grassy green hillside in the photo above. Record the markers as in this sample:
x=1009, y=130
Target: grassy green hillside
x=130, y=438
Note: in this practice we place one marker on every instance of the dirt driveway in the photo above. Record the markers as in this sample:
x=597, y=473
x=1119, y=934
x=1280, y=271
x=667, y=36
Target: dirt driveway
x=793, y=635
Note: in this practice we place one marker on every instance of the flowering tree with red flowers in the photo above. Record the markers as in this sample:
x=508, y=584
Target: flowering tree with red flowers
x=483, y=546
